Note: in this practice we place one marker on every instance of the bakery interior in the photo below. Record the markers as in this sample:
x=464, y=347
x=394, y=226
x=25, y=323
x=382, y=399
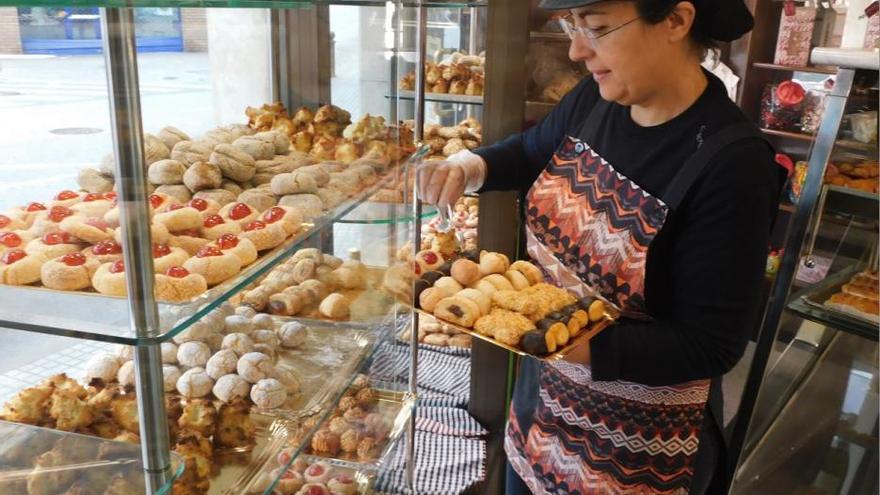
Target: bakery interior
x=216, y=277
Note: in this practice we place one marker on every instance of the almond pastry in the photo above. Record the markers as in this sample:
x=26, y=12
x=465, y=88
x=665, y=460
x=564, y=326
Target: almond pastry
x=264, y=236
x=19, y=268
x=213, y=264
x=91, y=230
x=178, y=285
x=179, y=218
x=109, y=279
x=72, y=271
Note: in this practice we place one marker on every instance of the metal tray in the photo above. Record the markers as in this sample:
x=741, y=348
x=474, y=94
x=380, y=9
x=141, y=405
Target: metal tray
x=331, y=355
x=264, y=479
x=816, y=298
x=236, y=467
x=573, y=344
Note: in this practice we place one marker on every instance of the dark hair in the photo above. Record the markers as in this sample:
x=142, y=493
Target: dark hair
x=654, y=11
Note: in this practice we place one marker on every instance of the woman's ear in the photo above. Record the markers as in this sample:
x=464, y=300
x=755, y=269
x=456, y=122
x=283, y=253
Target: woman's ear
x=680, y=21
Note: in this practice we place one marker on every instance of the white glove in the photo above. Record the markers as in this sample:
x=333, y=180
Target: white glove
x=441, y=183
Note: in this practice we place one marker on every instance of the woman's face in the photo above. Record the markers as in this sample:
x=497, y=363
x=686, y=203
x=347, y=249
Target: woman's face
x=627, y=63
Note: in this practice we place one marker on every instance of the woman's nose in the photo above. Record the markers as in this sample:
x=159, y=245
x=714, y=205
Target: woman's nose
x=580, y=49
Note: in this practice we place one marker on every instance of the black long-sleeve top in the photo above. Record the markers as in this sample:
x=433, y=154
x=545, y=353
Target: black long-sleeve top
x=705, y=267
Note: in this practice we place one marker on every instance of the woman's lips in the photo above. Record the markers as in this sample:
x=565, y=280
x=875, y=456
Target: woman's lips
x=599, y=75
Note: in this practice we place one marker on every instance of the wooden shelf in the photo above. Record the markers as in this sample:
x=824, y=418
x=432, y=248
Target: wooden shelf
x=795, y=68
x=843, y=143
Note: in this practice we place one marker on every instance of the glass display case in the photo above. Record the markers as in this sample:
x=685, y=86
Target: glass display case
x=808, y=421
x=198, y=252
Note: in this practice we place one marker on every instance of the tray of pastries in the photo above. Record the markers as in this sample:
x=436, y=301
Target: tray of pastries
x=294, y=474
x=508, y=304
x=362, y=429
x=850, y=296
x=437, y=333
x=457, y=74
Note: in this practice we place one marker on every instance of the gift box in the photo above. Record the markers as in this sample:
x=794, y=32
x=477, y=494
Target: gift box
x=795, y=32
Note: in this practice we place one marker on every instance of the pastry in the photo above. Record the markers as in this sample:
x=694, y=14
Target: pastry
x=268, y=393
x=177, y=284
x=194, y=383
x=517, y=279
x=92, y=230
x=531, y=272
x=102, y=366
x=264, y=236
x=8, y=223
x=177, y=192
x=125, y=374
x=259, y=148
x=260, y=198
x=238, y=324
x=206, y=207
x=534, y=342
x=170, y=136
x=367, y=448
x=325, y=442
x=49, y=246
x=241, y=247
x=266, y=337
x=254, y=366
x=165, y=257
x=199, y=416
x=499, y=282
x=213, y=264
x=335, y=306
x=514, y=301
x=482, y=300
x=179, y=218
x=239, y=213
x=459, y=310
x=239, y=343
x=193, y=354
x=286, y=303
x=448, y=285
x=202, y=175
x=234, y=429
x=230, y=387
x=166, y=172
x=196, y=332
x=66, y=198
x=596, y=311
x=18, y=240
x=292, y=334
x=465, y=272
x=462, y=340
x=429, y=298
x=190, y=152
x=50, y=220
x=493, y=263
x=73, y=271
x=94, y=205
x=189, y=241
x=220, y=196
x=93, y=181
x=287, y=217
x=297, y=182
x=310, y=206
x=503, y=319
x=170, y=375
x=19, y=268
x=233, y=162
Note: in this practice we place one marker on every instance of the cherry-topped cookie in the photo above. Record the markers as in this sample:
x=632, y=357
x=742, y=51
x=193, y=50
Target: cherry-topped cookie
x=213, y=264
x=73, y=271
x=19, y=268
x=177, y=284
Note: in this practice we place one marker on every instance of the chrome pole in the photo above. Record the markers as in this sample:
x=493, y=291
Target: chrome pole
x=276, y=39
x=422, y=23
x=120, y=58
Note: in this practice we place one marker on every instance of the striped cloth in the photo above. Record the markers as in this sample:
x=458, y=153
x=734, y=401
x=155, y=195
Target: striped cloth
x=444, y=379
x=449, y=421
x=445, y=465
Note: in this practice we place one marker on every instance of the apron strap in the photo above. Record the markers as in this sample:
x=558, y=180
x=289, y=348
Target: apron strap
x=695, y=165
x=594, y=119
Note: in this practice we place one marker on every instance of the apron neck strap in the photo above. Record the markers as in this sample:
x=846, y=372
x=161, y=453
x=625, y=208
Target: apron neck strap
x=596, y=117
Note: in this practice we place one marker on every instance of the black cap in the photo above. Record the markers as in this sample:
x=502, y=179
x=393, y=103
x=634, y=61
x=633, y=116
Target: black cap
x=725, y=20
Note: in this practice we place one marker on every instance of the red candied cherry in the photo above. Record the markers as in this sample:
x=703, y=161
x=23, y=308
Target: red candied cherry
x=160, y=250
x=255, y=225
x=88, y=198
x=107, y=247
x=417, y=268
x=430, y=257
x=156, y=200
x=239, y=211
x=34, y=206
x=284, y=458
x=227, y=241
x=59, y=213
x=188, y=232
x=110, y=196
x=199, y=204
x=315, y=470
x=4, y=221
x=117, y=267
x=73, y=259
x=175, y=206
x=65, y=195
x=98, y=223
x=177, y=272
x=213, y=221
x=289, y=474
x=11, y=256
x=10, y=239
x=207, y=251
x=273, y=214
x=316, y=490
x=54, y=238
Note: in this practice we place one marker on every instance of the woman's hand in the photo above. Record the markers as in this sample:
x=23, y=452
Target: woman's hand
x=442, y=182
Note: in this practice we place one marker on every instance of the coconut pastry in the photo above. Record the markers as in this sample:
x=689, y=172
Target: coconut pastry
x=241, y=247
x=90, y=229
x=287, y=217
x=73, y=271
x=19, y=268
x=177, y=284
x=214, y=226
x=109, y=279
x=240, y=213
x=164, y=257
x=94, y=205
x=213, y=264
x=264, y=236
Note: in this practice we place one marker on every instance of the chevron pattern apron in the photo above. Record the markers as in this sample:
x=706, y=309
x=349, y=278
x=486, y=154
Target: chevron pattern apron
x=590, y=228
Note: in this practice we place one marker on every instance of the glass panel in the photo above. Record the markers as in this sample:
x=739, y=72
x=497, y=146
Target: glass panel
x=279, y=4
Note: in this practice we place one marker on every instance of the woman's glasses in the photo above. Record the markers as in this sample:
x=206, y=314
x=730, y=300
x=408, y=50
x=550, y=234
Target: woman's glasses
x=573, y=30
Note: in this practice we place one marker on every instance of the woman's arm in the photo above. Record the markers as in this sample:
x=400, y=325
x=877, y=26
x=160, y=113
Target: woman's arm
x=515, y=162
x=715, y=268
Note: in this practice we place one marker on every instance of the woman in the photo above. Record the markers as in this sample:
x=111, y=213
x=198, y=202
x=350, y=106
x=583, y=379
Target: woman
x=647, y=185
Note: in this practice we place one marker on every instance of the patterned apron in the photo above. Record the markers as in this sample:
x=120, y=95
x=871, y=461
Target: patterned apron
x=590, y=228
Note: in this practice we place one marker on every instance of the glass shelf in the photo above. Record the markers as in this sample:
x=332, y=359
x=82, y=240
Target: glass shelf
x=240, y=4
x=804, y=305
x=404, y=94
x=95, y=317
x=376, y=213
x=77, y=459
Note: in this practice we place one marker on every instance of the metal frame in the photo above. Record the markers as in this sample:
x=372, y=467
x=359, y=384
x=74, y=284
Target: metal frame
x=125, y=115
x=835, y=105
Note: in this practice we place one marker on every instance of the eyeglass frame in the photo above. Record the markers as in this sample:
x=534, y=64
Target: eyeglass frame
x=572, y=29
